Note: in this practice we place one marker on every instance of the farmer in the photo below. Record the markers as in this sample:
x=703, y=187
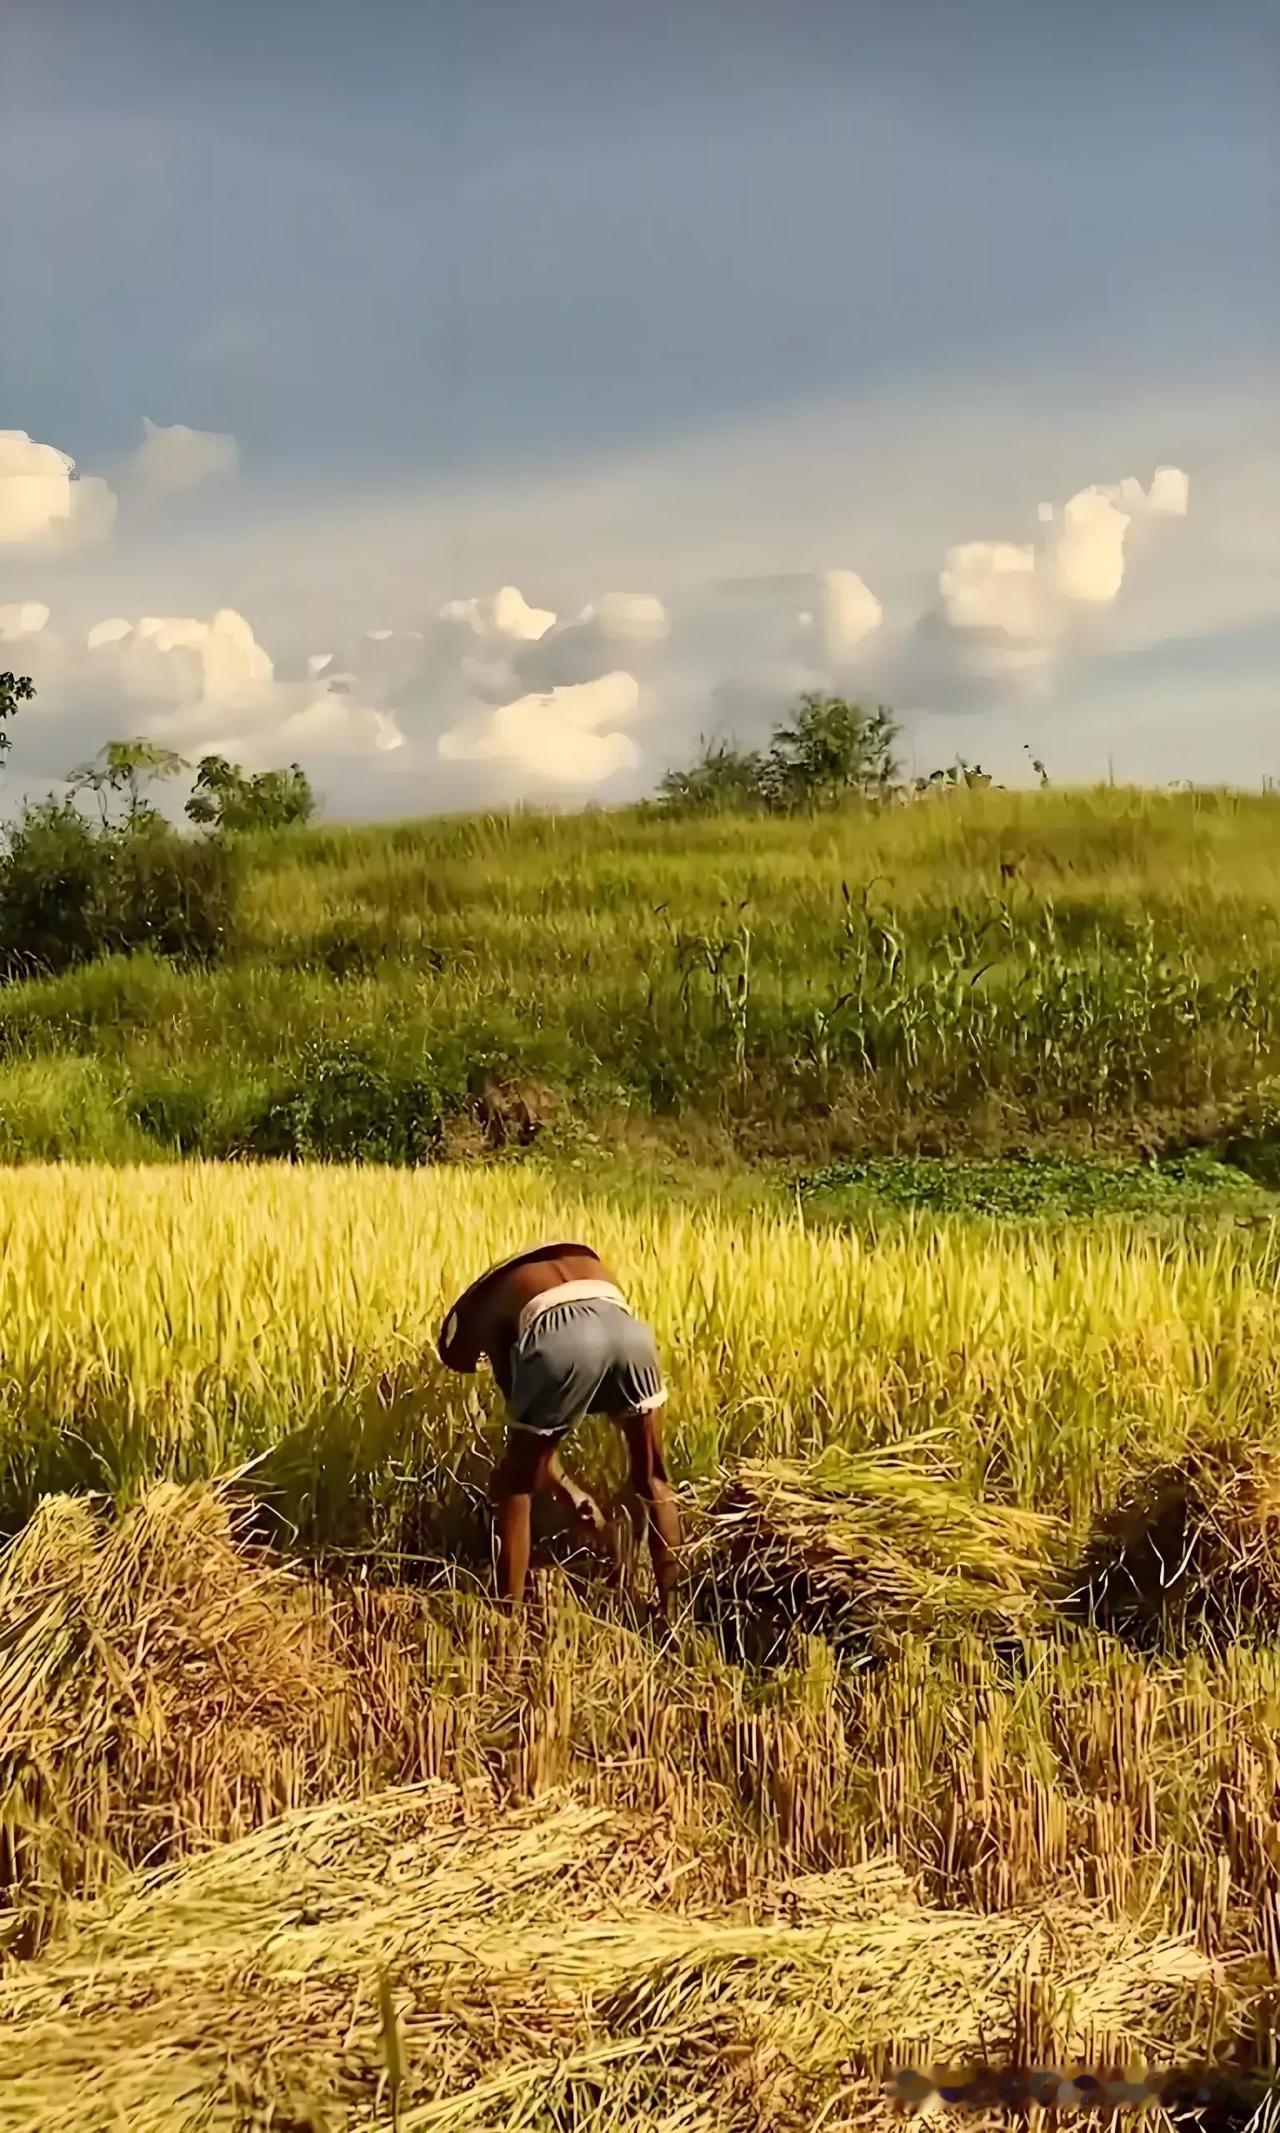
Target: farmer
x=561, y=1342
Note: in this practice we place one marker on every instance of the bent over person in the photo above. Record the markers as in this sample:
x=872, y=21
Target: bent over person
x=562, y=1343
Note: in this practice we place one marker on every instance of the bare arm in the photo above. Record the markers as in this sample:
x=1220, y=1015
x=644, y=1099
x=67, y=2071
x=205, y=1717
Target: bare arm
x=570, y=1493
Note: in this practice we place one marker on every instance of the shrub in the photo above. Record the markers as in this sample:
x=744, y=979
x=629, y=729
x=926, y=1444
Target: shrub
x=176, y=895
x=173, y=1112
x=343, y=1104
x=71, y=892
x=724, y=780
x=55, y=894
x=831, y=749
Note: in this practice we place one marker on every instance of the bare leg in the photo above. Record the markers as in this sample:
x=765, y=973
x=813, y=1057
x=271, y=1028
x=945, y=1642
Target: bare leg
x=519, y=1475
x=651, y=1485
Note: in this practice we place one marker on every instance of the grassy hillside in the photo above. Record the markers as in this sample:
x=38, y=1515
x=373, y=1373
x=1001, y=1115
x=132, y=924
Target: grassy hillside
x=981, y=971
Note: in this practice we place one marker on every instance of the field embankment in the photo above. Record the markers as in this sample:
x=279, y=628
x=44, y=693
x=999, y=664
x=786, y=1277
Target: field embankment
x=981, y=972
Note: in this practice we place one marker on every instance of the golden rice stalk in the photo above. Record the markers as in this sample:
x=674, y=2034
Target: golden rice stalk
x=156, y=1678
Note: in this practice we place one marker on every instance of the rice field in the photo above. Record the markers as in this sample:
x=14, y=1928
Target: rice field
x=176, y=1322
x=355, y=1850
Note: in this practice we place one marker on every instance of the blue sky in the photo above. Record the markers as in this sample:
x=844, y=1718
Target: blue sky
x=595, y=300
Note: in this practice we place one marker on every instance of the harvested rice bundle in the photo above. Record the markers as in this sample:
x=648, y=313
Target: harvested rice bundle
x=1191, y=1552
x=157, y=1678
x=866, y=1546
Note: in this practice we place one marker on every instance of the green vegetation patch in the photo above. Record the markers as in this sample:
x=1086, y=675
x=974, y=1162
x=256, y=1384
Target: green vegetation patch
x=1039, y=1185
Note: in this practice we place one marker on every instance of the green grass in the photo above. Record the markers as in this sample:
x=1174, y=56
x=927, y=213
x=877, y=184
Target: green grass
x=1039, y=1186
x=979, y=974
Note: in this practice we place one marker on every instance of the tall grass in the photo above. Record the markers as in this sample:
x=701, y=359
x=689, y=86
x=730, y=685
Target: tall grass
x=979, y=969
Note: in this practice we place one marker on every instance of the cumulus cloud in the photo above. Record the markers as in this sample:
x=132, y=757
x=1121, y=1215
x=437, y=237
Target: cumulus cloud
x=22, y=618
x=848, y=614
x=44, y=503
x=202, y=685
x=556, y=735
x=496, y=680
x=626, y=626
x=329, y=725
x=182, y=660
x=1088, y=562
x=504, y=614
x=1169, y=492
x=991, y=585
x=748, y=646
x=627, y=618
x=173, y=458
x=517, y=697
x=1018, y=603
x=214, y=690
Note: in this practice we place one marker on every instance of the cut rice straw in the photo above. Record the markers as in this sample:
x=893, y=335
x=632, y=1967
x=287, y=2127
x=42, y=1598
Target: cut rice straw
x=538, y=1964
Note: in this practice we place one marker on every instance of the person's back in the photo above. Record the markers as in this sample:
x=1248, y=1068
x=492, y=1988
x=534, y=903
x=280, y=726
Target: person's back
x=499, y=1307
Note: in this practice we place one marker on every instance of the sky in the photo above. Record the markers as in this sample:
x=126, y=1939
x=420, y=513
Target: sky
x=487, y=400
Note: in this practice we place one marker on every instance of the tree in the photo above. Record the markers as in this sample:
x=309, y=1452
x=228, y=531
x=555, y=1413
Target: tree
x=724, y=779
x=15, y=689
x=125, y=768
x=832, y=748
x=228, y=798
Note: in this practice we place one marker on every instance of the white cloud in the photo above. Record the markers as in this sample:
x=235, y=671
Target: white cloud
x=209, y=687
x=1169, y=493
x=173, y=458
x=630, y=625
x=505, y=613
x=555, y=735
x=990, y=585
x=1089, y=560
x=178, y=659
x=43, y=504
x=1018, y=604
x=533, y=701
x=748, y=502
x=849, y=612
x=627, y=618
x=332, y=727
x=23, y=618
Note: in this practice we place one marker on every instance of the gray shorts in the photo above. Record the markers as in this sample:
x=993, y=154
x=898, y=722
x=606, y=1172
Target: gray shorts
x=583, y=1357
